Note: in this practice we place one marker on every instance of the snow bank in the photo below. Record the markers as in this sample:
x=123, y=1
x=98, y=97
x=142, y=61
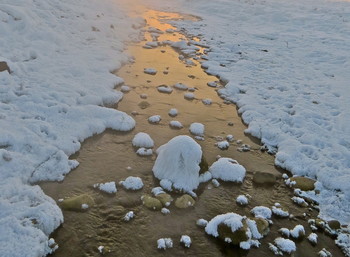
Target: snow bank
x=227, y=169
x=286, y=67
x=178, y=161
x=60, y=54
x=142, y=139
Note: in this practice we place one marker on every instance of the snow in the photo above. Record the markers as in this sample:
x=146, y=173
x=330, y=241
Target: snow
x=132, y=183
x=279, y=212
x=227, y=169
x=324, y=253
x=166, y=184
x=232, y=220
x=285, y=245
x=85, y=206
x=164, y=243
x=129, y=216
x=242, y=200
x=286, y=67
x=142, y=139
x=150, y=71
x=144, y=151
x=155, y=119
x=173, y=112
x=202, y=223
x=186, y=240
x=229, y=138
x=299, y=201
x=189, y=96
x=223, y=145
x=108, y=187
x=212, y=84
x=178, y=162
x=298, y=231
x=175, y=124
x=157, y=191
x=100, y=249
x=205, y=177
x=312, y=238
x=262, y=212
x=197, y=129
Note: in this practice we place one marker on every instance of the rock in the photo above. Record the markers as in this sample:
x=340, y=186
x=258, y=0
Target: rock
x=151, y=203
x=235, y=238
x=184, y=201
x=76, y=203
x=144, y=104
x=303, y=183
x=334, y=224
x=165, y=199
x=262, y=225
x=264, y=178
x=4, y=66
x=203, y=165
x=320, y=224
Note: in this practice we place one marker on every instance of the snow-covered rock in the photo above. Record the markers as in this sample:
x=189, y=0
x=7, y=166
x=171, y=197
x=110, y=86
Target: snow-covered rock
x=165, y=89
x=202, y=222
x=155, y=119
x=178, y=161
x=173, y=112
x=144, y=151
x=223, y=145
x=175, y=124
x=129, y=216
x=227, y=169
x=142, y=139
x=278, y=211
x=242, y=200
x=180, y=86
x=285, y=245
x=150, y=71
x=207, y=101
x=297, y=232
x=132, y=183
x=186, y=241
x=165, y=211
x=197, y=129
x=164, y=243
x=312, y=238
x=262, y=212
x=189, y=96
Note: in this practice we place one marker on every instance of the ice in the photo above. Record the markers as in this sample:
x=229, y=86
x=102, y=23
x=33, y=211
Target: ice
x=178, y=161
x=164, y=243
x=142, y=139
x=180, y=86
x=242, y=200
x=285, y=245
x=129, y=216
x=155, y=119
x=189, y=96
x=132, y=183
x=175, y=124
x=197, y=129
x=173, y=112
x=144, y=151
x=227, y=169
x=262, y=212
x=108, y=187
x=150, y=71
x=186, y=240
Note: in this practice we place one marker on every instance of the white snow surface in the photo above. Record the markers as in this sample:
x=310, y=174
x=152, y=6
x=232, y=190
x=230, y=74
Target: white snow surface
x=142, y=139
x=60, y=54
x=132, y=183
x=286, y=66
x=227, y=169
x=178, y=161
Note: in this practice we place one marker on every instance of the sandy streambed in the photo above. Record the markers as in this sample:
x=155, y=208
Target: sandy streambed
x=106, y=157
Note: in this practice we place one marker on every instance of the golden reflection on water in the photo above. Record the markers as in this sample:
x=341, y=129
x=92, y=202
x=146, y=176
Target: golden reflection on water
x=105, y=157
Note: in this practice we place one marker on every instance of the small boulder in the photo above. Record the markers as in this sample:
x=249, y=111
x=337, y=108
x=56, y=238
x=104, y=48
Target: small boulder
x=263, y=178
x=184, y=201
x=303, y=183
x=236, y=237
x=262, y=225
x=334, y=224
x=77, y=203
x=165, y=199
x=151, y=203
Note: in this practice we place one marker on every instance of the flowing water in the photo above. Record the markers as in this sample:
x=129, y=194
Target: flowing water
x=105, y=158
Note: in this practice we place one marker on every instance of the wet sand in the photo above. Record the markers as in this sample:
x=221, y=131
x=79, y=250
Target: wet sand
x=105, y=158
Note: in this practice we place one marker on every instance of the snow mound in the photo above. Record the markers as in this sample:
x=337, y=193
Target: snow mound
x=108, y=187
x=202, y=223
x=178, y=161
x=223, y=145
x=227, y=169
x=132, y=183
x=142, y=139
x=129, y=216
x=175, y=124
x=197, y=129
x=207, y=101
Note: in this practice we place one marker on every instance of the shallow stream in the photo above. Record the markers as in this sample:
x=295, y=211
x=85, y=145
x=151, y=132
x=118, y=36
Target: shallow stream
x=105, y=158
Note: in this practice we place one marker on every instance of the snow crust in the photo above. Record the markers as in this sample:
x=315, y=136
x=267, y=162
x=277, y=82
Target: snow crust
x=286, y=67
x=178, y=162
x=61, y=54
x=142, y=139
x=227, y=169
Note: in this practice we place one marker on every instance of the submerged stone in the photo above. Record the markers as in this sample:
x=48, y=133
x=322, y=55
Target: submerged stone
x=184, y=201
x=77, y=203
x=262, y=225
x=334, y=224
x=144, y=104
x=151, y=203
x=303, y=183
x=263, y=178
x=165, y=199
x=235, y=238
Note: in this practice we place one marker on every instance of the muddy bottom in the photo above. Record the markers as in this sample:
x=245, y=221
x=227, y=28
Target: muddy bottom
x=111, y=157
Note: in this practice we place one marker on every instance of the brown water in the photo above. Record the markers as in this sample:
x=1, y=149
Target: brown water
x=106, y=157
